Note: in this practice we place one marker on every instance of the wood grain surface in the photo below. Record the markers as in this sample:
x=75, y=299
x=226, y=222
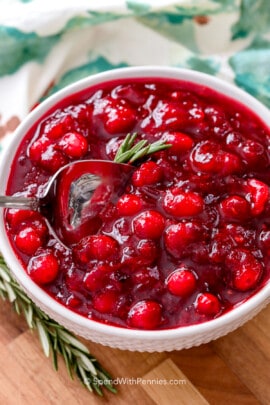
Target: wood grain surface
x=234, y=369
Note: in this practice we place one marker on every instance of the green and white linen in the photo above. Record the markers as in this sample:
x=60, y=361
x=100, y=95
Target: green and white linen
x=45, y=45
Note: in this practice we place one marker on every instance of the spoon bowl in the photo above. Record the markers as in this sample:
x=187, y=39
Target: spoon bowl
x=75, y=196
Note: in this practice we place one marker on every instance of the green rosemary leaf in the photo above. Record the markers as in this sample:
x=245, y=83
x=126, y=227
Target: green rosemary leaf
x=55, y=361
x=125, y=145
x=129, y=152
x=17, y=307
x=83, y=377
x=96, y=387
x=141, y=153
x=44, y=338
x=28, y=314
x=3, y=274
x=158, y=146
x=124, y=157
x=72, y=340
x=9, y=290
x=66, y=359
x=85, y=361
x=106, y=378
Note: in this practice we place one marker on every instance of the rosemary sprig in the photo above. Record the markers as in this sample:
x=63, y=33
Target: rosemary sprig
x=54, y=338
x=129, y=151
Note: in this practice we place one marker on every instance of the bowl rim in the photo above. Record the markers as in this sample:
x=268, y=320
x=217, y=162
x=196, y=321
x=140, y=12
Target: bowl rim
x=8, y=153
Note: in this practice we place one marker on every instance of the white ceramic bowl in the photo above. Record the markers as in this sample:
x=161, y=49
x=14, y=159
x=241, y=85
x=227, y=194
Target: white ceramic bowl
x=162, y=340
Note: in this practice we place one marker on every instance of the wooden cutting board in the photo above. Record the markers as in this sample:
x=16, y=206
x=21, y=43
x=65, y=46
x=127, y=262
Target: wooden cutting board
x=234, y=369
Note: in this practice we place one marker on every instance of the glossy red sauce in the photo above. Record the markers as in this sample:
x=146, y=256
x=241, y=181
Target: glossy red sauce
x=189, y=238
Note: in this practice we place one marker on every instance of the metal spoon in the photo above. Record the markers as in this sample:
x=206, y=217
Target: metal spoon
x=75, y=197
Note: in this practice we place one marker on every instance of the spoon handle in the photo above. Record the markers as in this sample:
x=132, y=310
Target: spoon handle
x=23, y=203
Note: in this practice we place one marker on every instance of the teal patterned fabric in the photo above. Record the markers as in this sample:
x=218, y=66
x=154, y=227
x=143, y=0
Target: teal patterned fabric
x=47, y=45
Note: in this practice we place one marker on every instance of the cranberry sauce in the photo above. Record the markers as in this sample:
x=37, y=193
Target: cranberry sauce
x=190, y=236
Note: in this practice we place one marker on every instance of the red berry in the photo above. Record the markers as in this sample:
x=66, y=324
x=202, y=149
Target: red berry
x=257, y=194
x=169, y=115
x=28, y=240
x=147, y=250
x=100, y=247
x=40, y=226
x=54, y=130
x=96, y=279
x=178, y=236
x=44, y=268
x=180, y=142
x=51, y=160
x=205, y=157
x=147, y=174
x=145, y=278
x=253, y=153
x=183, y=204
x=73, y=144
x=38, y=147
x=149, y=224
x=247, y=277
x=208, y=304
x=119, y=117
x=17, y=217
x=129, y=204
x=235, y=208
x=181, y=282
x=145, y=315
x=229, y=163
x=245, y=269
x=73, y=301
x=208, y=157
x=106, y=301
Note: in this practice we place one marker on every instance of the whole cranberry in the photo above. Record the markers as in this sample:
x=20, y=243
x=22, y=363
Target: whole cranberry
x=99, y=247
x=178, y=236
x=73, y=144
x=145, y=277
x=105, y=302
x=253, y=153
x=118, y=116
x=229, y=163
x=208, y=304
x=149, y=224
x=183, y=204
x=257, y=194
x=147, y=250
x=16, y=217
x=181, y=282
x=37, y=148
x=52, y=159
x=96, y=279
x=147, y=174
x=145, y=314
x=205, y=157
x=209, y=157
x=129, y=204
x=235, y=208
x=245, y=269
x=247, y=277
x=28, y=240
x=180, y=143
x=44, y=268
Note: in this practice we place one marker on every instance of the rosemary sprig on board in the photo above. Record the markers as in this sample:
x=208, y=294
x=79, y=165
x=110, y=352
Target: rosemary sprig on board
x=55, y=339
